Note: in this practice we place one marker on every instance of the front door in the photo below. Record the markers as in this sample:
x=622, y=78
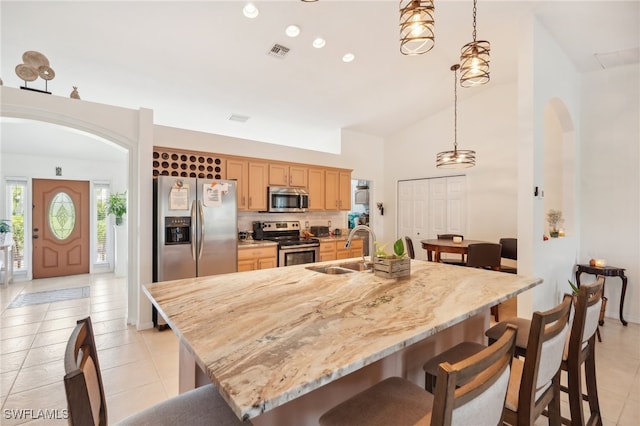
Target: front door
x=60, y=228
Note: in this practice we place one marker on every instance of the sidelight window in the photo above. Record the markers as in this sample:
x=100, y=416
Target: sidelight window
x=16, y=193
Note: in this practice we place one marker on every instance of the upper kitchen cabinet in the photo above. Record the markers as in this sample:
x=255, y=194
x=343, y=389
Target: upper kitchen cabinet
x=252, y=183
x=258, y=178
x=337, y=190
x=238, y=170
x=287, y=175
x=315, y=188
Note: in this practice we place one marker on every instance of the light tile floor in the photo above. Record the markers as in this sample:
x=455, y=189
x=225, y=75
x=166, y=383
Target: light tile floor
x=140, y=368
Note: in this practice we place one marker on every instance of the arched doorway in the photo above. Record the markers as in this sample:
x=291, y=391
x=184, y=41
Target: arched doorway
x=132, y=130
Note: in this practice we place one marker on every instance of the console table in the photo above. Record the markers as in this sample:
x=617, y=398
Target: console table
x=607, y=271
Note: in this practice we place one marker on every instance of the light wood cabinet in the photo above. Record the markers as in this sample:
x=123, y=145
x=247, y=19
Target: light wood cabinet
x=287, y=175
x=238, y=170
x=327, y=250
x=354, y=251
x=344, y=190
x=337, y=190
x=315, y=188
x=257, y=190
x=254, y=258
x=329, y=188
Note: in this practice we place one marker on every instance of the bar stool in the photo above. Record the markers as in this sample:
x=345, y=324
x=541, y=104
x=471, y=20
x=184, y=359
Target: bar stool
x=579, y=349
x=535, y=383
x=87, y=403
x=472, y=391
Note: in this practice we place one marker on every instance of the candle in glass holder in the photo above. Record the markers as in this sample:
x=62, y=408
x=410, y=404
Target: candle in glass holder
x=601, y=263
x=561, y=233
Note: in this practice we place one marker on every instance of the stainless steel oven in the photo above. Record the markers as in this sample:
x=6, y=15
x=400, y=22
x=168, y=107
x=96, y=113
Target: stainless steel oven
x=298, y=254
x=292, y=250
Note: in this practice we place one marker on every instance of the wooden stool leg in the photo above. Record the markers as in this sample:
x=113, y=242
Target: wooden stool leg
x=574, y=389
x=592, y=389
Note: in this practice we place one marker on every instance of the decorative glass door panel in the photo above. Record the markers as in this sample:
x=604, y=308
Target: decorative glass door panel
x=60, y=228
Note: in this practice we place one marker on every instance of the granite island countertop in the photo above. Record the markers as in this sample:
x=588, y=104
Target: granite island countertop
x=267, y=337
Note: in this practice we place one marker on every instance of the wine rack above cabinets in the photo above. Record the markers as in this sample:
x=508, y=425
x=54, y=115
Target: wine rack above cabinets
x=182, y=163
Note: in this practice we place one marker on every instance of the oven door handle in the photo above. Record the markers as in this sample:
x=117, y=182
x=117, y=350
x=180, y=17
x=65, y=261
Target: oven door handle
x=299, y=247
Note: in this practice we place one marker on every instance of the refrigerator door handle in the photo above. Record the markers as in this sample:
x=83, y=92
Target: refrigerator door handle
x=193, y=221
x=201, y=220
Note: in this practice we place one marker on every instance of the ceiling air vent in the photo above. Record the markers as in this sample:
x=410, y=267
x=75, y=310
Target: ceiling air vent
x=278, y=51
x=238, y=118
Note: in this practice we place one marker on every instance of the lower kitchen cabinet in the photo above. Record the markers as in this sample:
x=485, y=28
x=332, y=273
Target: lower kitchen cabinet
x=327, y=250
x=354, y=251
x=253, y=258
x=335, y=250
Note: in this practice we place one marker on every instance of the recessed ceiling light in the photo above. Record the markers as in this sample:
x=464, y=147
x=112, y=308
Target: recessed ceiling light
x=250, y=10
x=293, y=31
x=349, y=57
x=319, y=43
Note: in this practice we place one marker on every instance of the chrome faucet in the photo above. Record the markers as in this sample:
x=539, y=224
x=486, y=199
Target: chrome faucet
x=372, y=241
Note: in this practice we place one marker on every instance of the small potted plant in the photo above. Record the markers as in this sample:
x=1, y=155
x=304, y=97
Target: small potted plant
x=394, y=265
x=117, y=206
x=5, y=231
x=553, y=218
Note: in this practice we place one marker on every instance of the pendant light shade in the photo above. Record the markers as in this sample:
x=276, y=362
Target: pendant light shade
x=458, y=158
x=474, y=59
x=416, y=26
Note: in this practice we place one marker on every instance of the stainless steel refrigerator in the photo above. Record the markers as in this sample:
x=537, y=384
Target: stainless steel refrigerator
x=196, y=229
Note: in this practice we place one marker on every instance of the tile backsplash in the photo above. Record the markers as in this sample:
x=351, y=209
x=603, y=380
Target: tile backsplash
x=337, y=219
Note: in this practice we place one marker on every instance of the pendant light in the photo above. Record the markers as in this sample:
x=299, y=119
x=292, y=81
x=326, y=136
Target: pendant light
x=416, y=26
x=457, y=158
x=474, y=59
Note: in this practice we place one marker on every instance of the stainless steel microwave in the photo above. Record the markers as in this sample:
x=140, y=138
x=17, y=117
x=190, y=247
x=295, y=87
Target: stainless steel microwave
x=287, y=200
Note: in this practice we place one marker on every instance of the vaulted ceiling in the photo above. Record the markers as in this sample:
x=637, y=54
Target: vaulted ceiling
x=197, y=63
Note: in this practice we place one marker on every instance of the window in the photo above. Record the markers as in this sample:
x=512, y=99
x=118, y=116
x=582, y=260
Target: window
x=101, y=192
x=16, y=200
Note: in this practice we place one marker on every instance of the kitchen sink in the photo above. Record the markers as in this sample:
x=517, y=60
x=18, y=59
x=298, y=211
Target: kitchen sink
x=357, y=266
x=331, y=270
x=342, y=268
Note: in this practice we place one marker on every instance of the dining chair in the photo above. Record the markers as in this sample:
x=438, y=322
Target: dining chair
x=509, y=251
x=472, y=391
x=410, y=250
x=486, y=256
x=86, y=400
x=450, y=261
x=579, y=350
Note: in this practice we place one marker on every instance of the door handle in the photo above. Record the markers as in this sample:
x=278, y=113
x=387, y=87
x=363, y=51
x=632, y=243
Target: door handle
x=35, y=237
x=201, y=221
x=193, y=221
x=36, y=229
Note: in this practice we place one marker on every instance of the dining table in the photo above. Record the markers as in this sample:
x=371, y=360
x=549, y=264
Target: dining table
x=283, y=345
x=435, y=247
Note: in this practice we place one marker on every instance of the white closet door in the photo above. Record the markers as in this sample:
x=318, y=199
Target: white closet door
x=456, y=205
x=413, y=213
x=420, y=216
x=438, y=206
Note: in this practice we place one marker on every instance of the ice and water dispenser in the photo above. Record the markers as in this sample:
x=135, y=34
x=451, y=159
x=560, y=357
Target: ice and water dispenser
x=177, y=230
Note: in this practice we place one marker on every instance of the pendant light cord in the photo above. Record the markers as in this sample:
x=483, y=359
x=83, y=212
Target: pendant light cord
x=474, y=20
x=455, y=109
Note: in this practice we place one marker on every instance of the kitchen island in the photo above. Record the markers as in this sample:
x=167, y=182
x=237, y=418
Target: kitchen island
x=283, y=345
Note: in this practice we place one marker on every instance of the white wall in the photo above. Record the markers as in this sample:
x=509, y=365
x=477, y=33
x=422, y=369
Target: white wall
x=487, y=123
x=610, y=181
x=545, y=76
